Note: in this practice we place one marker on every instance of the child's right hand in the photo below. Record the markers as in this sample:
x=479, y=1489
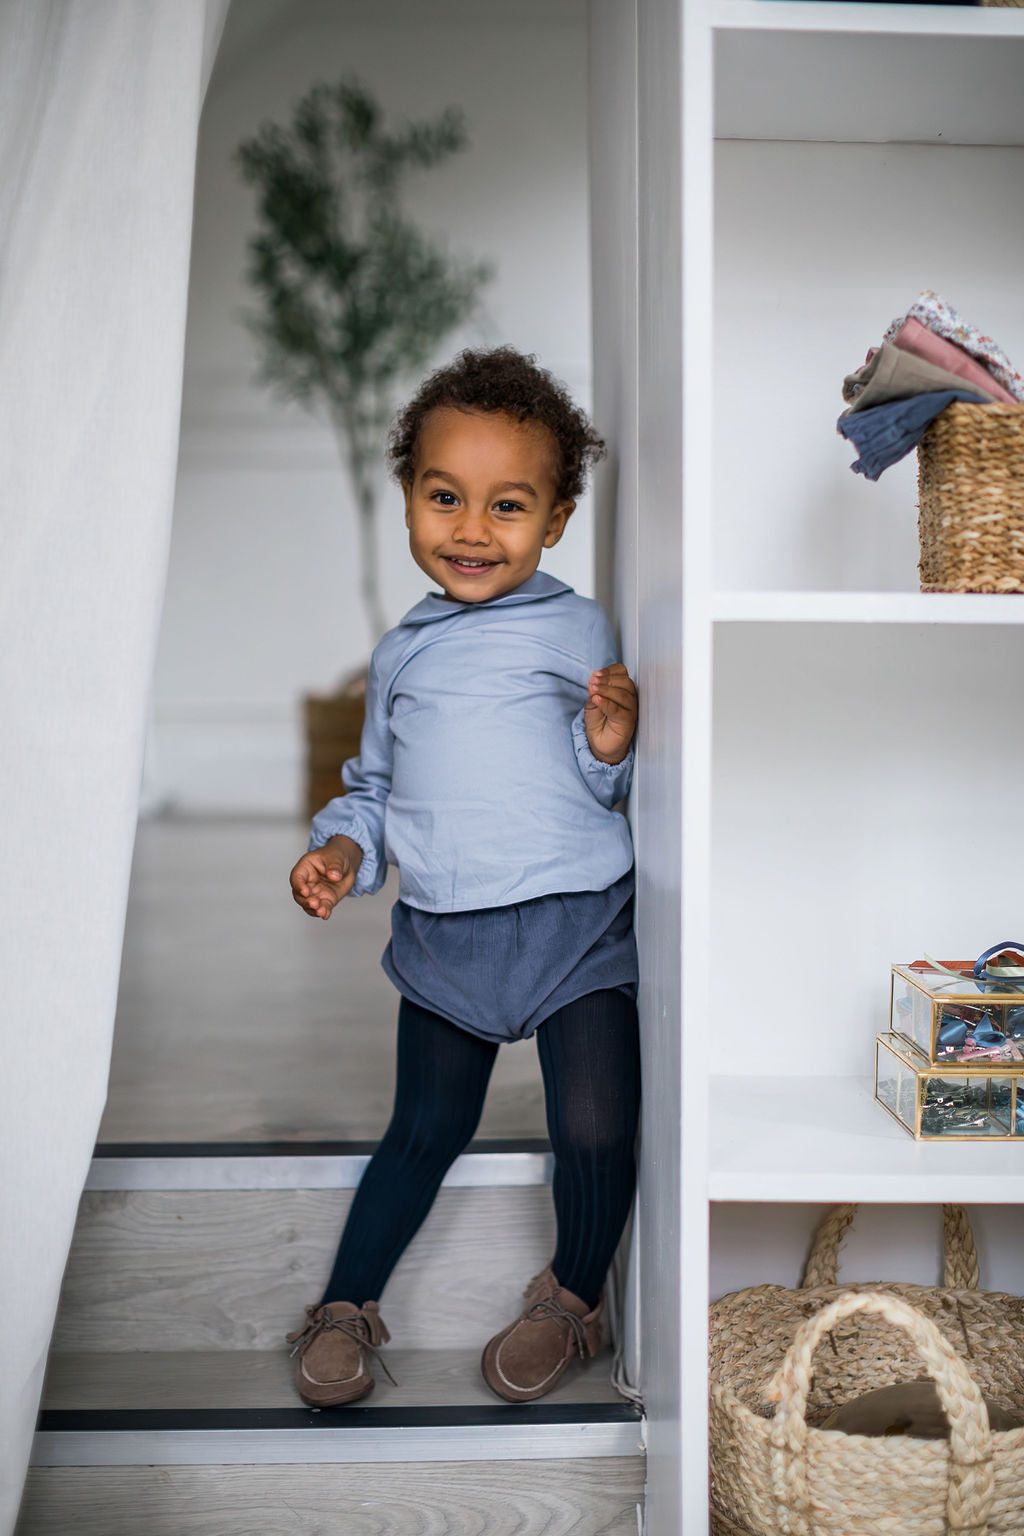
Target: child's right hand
x=320, y=879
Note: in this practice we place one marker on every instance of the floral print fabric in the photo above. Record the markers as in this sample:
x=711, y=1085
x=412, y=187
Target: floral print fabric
x=940, y=317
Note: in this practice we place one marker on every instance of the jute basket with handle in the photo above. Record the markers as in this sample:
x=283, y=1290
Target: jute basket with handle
x=782, y=1360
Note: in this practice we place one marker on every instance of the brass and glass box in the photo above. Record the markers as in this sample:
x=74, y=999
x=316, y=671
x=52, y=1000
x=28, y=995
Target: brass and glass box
x=949, y=1018
x=935, y=1104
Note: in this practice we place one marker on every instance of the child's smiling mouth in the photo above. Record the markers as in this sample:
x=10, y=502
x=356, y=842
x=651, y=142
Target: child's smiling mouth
x=470, y=567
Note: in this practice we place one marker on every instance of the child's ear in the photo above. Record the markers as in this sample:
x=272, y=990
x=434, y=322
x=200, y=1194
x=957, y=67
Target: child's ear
x=560, y=515
x=407, y=493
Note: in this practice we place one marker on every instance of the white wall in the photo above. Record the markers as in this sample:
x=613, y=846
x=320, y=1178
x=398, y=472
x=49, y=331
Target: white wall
x=260, y=604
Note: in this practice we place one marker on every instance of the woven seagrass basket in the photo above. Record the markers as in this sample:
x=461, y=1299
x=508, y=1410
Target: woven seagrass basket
x=971, y=499
x=781, y=1361
x=334, y=725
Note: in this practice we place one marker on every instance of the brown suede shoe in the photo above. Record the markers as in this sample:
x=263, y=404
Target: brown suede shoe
x=541, y=1285
x=333, y=1348
x=531, y=1355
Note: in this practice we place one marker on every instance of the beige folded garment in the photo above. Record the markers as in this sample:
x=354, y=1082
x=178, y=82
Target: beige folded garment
x=892, y=374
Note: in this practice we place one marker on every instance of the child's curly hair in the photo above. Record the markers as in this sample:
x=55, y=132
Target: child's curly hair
x=511, y=382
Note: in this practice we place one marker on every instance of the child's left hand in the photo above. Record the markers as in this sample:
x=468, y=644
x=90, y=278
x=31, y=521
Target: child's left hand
x=609, y=714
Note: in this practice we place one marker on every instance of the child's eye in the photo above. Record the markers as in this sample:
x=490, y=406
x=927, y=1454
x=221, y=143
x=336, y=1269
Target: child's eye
x=445, y=498
x=508, y=506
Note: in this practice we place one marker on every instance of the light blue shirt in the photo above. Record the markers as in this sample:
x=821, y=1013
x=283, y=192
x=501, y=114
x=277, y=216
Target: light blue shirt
x=474, y=775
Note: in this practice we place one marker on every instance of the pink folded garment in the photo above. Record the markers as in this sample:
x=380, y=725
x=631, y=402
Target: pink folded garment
x=934, y=312
x=914, y=337
x=891, y=373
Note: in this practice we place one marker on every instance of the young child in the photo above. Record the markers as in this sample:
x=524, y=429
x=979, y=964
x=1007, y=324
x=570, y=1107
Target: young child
x=497, y=740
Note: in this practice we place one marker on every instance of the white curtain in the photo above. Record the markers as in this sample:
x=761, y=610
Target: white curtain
x=99, y=109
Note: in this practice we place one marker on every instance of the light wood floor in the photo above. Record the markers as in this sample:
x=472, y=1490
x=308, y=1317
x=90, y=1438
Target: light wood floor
x=510, y=1498
x=157, y=1269
x=264, y=1378
x=242, y=1019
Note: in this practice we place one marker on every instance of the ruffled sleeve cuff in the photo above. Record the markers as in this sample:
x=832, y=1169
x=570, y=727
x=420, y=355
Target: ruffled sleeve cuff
x=608, y=782
x=336, y=820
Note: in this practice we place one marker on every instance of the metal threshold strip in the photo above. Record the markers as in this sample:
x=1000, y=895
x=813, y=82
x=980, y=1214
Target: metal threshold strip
x=299, y=1165
x=504, y=1432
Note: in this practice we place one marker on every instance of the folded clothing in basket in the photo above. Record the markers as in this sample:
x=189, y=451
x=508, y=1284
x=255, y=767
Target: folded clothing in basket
x=929, y=357
x=918, y=341
x=884, y=434
x=893, y=373
x=939, y=317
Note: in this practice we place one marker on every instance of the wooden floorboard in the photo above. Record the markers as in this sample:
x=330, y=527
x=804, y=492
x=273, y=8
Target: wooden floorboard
x=567, y=1498
x=246, y=1019
x=95, y=1380
x=234, y=1269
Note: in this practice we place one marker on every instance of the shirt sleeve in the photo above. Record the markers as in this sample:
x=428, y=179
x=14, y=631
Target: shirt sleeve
x=360, y=813
x=608, y=782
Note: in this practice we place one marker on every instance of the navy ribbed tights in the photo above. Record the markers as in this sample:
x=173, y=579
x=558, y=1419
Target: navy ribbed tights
x=590, y=1061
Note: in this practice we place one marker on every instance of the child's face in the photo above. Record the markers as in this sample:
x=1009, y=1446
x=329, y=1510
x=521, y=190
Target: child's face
x=483, y=502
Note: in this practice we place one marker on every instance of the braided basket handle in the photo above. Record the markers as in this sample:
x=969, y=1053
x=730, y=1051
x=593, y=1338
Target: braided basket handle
x=961, y=1256
x=971, y=1477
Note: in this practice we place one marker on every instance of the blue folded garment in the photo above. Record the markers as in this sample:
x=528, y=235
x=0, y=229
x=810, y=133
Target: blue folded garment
x=884, y=434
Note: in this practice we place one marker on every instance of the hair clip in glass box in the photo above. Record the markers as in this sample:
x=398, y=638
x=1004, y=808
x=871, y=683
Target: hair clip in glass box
x=971, y=1014
x=952, y=1067
x=934, y=1103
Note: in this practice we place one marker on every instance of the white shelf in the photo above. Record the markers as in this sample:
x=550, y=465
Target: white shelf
x=867, y=607
x=795, y=69
x=911, y=20
x=814, y=1139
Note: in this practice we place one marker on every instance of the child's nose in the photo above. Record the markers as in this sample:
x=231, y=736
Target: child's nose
x=472, y=527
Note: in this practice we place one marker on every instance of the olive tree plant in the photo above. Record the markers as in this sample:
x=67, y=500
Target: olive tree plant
x=354, y=298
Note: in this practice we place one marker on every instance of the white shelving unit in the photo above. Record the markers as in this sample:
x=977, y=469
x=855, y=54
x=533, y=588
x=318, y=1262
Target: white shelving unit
x=863, y=755
x=847, y=786
x=864, y=760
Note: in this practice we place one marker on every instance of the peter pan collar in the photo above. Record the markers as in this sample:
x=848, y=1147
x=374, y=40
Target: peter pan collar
x=435, y=606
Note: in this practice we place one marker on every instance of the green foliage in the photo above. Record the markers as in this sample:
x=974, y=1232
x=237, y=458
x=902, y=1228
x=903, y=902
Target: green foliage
x=354, y=296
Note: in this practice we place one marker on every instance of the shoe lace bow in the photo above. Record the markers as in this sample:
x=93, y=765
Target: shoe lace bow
x=356, y=1327
x=550, y=1306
